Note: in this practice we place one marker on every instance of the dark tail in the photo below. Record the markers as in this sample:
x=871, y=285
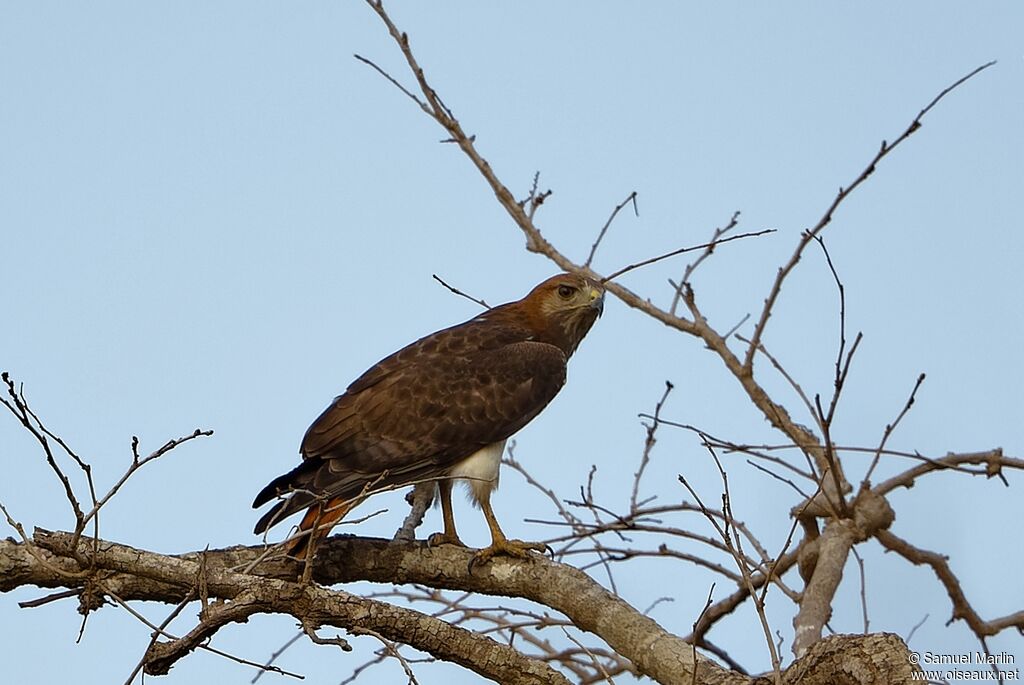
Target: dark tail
x=294, y=482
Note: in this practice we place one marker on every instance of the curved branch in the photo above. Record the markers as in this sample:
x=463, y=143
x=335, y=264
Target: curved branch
x=961, y=607
x=139, y=574
x=993, y=461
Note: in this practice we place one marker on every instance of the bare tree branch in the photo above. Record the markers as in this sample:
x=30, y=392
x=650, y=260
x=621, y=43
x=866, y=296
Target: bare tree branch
x=962, y=609
x=147, y=575
x=826, y=218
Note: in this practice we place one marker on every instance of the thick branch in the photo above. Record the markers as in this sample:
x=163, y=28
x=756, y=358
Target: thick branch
x=139, y=574
x=872, y=515
x=663, y=656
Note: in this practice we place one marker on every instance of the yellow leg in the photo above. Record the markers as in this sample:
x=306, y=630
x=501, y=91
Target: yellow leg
x=499, y=543
x=449, y=536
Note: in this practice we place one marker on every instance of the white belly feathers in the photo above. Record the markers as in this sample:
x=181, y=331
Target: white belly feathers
x=480, y=470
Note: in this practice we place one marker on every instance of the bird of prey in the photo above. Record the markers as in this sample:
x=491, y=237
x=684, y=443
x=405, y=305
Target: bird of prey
x=437, y=410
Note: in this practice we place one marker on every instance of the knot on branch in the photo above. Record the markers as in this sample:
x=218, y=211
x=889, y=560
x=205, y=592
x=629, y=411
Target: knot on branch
x=871, y=513
x=92, y=596
x=994, y=464
x=807, y=559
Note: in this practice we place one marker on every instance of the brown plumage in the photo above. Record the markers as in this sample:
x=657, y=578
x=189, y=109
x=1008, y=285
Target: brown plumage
x=439, y=408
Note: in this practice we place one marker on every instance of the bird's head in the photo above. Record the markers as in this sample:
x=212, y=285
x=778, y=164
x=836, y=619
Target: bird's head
x=563, y=308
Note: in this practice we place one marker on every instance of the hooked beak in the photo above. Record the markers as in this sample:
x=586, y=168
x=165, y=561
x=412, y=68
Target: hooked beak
x=597, y=299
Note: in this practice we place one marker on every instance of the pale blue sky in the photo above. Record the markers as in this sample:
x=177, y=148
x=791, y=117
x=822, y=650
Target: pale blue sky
x=212, y=216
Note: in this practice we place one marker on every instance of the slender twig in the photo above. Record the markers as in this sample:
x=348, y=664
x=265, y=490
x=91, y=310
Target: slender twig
x=597, y=664
x=716, y=237
x=138, y=462
x=683, y=250
x=842, y=369
x=842, y=308
x=830, y=456
x=732, y=542
x=736, y=447
x=460, y=293
x=652, y=605
x=53, y=597
x=777, y=477
x=19, y=408
x=391, y=648
x=157, y=629
x=631, y=198
x=692, y=266
x=161, y=630
x=889, y=428
x=700, y=616
x=913, y=630
x=310, y=629
x=275, y=654
x=535, y=199
x=649, y=442
x=826, y=218
x=863, y=589
x=394, y=82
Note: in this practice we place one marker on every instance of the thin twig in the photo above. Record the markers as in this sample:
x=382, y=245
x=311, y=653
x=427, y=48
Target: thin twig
x=649, y=441
x=157, y=629
x=826, y=218
x=842, y=309
x=631, y=198
x=692, y=266
x=863, y=589
x=394, y=82
x=777, y=477
x=913, y=630
x=460, y=293
x=889, y=428
x=683, y=250
x=734, y=546
x=597, y=664
x=700, y=617
x=392, y=648
x=275, y=654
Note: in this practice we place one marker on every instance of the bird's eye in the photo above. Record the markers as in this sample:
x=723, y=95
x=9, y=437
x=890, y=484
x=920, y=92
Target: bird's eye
x=566, y=291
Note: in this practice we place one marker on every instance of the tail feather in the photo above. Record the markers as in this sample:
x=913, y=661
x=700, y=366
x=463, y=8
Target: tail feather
x=278, y=513
x=295, y=479
x=312, y=482
x=317, y=523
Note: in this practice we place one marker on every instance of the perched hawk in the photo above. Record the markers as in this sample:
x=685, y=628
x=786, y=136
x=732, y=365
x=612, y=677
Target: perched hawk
x=438, y=409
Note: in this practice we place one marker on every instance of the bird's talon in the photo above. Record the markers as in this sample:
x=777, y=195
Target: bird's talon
x=510, y=548
x=436, y=539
